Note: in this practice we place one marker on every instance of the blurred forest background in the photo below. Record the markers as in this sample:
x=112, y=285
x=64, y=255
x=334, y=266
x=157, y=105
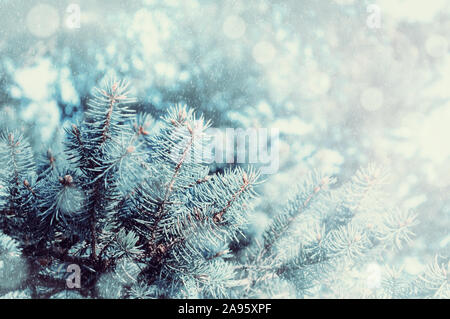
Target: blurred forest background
x=346, y=82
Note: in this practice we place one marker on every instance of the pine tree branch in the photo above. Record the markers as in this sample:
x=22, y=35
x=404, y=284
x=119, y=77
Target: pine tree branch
x=169, y=189
x=323, y=183
x=113, y=99
x=13, y=146
x=218, y=216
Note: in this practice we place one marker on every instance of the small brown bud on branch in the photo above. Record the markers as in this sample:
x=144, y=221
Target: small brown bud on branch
x=245, y=178
x=221, y=253
x=218, y=217
x=161, y=249
x=142, y=131
x=205, y=179
x=190, y=129
x=182, y=114
x=67, y=180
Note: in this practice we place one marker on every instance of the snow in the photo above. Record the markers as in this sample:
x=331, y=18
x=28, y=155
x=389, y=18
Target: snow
x=68, y=93
x=433, y=135
x=263, y=52
x=234, y=27
x=35, y=81
x=43, y=20
x=412, y=10
x=372, y=99
x=293, y=126
x=437, y=45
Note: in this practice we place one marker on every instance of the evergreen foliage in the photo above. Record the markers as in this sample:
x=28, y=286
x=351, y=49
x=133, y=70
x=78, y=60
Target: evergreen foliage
x=137, y=209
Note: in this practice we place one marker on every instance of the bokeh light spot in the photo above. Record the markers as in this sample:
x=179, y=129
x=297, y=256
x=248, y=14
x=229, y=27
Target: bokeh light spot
x=263, y=52
x=234, y=27
x=42, y=20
